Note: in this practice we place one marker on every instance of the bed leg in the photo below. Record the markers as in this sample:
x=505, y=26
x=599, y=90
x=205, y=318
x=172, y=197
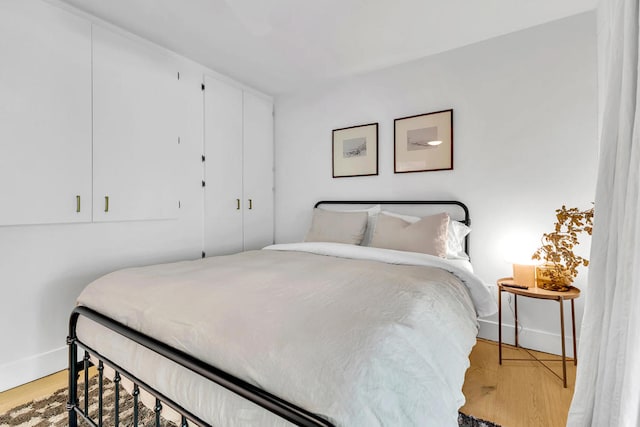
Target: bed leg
x=73, y=382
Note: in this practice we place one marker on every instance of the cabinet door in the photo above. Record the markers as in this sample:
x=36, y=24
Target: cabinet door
x=223, y=168
x=258, y=171
x=135, y=136
x=45, y=114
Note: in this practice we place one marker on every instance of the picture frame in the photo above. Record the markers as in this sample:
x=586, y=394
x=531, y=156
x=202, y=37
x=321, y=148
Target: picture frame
x=424, y=142
x=355, y=151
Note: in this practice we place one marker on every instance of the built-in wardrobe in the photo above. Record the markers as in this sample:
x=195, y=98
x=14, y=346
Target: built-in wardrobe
x=90, y=130
x=238, y=159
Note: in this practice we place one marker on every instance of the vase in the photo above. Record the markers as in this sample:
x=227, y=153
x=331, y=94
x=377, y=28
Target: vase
x=551, y=278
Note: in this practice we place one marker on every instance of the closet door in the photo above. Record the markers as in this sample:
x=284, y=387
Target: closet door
x=45, y=114
x=135, y=135
x=258, y=171
x=224, y=201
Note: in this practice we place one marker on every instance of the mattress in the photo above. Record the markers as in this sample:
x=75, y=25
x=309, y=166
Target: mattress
x=360, y=336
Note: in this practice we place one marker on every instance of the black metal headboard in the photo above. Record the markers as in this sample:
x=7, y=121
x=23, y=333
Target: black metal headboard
x=462, y=217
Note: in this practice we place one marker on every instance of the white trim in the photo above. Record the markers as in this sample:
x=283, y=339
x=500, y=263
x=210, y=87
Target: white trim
x=31, y=368
x=529, y=338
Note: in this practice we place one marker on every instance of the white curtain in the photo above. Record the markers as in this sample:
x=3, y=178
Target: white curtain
x=608, y=382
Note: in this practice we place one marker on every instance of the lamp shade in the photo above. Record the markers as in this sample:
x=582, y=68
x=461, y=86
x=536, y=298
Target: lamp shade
x=525, y=274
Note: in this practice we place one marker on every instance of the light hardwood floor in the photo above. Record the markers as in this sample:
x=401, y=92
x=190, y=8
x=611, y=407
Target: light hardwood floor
x=31, y=391
x=516, y=394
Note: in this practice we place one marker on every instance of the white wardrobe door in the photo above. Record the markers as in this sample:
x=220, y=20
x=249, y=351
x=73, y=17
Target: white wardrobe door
x=135, y=135
x=258, y=171
x=223, y=168
x=45, y=114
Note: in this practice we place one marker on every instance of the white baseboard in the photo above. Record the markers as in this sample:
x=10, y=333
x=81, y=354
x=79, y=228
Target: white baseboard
x=529, y=338
x=33, y=367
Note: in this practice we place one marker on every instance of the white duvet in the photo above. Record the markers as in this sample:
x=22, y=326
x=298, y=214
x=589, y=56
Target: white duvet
x=360, y=336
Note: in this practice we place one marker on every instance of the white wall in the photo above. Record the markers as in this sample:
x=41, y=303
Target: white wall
x=524, y=144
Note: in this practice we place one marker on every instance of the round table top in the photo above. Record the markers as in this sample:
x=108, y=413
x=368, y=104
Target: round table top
x=536, y=292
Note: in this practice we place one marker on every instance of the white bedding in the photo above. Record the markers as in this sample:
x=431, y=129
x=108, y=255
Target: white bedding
x=461, y=268
x=361, y=336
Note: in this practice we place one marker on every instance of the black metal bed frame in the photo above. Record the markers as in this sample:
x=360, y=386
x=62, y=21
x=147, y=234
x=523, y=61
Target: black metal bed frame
x=280, y=407
x=262, y=398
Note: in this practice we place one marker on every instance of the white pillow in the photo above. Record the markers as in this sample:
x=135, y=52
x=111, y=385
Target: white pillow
x=407, y=218
x=456, y=233
x=372, y=217
x=455, y=240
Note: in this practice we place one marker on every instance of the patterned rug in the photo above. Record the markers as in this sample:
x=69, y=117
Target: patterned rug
x=50, y=411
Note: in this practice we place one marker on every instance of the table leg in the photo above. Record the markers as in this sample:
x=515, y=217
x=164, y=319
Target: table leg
x=564, y=359
x=500, y=324
x=515, y=309
x=573, y=323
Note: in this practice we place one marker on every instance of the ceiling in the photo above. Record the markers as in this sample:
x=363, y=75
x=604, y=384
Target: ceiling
x=280, y=46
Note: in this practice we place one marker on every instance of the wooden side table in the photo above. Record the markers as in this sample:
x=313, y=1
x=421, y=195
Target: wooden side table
x=539, y=293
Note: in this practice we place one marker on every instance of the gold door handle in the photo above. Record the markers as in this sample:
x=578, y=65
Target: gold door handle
x=106, y=203
x=250, y=204
x=77, y=203
x=237, y=204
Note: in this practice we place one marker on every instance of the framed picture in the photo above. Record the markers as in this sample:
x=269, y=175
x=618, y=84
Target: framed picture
x=355, y=151
x=424, y=142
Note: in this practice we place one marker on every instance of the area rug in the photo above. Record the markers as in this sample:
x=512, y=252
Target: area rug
x=51, y=410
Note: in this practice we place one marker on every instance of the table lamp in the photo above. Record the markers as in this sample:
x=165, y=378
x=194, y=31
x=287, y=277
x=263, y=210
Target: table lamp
x=518, y=249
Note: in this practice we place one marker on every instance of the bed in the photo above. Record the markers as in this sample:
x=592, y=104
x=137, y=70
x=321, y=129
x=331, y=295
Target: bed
x=327, y=332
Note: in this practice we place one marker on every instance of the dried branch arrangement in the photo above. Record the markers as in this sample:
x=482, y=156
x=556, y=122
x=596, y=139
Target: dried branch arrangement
x=557, y=247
